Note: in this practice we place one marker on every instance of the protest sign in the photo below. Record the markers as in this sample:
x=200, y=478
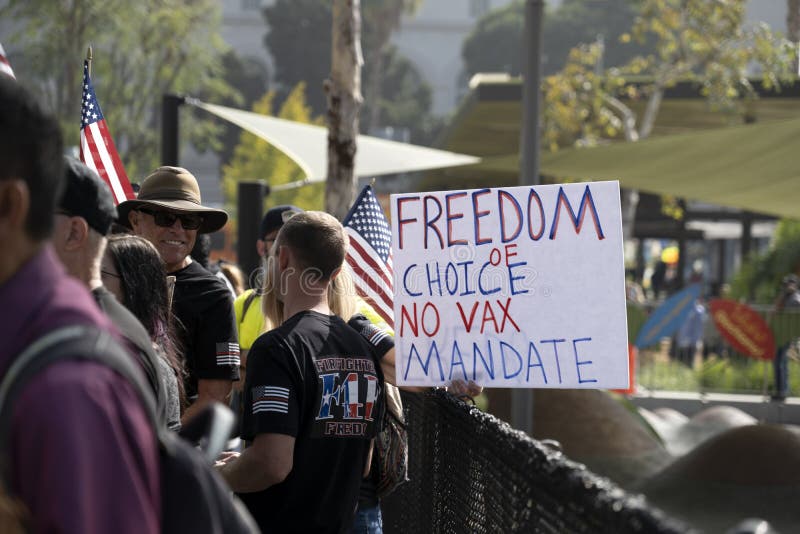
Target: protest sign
x=743, y=328
x=668, y=317
x=511, y=287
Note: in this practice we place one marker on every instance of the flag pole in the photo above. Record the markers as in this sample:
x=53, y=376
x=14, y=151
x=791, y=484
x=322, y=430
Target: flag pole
x=89, y=58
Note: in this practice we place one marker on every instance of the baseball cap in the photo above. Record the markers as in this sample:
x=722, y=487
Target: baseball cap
x=87, y=196
x=275, y=217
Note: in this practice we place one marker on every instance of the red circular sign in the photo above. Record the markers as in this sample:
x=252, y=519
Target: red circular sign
x=743, y=328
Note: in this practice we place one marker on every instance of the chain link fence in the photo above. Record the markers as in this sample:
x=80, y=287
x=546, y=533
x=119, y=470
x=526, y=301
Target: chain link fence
x=714, y=366
x=472, y=473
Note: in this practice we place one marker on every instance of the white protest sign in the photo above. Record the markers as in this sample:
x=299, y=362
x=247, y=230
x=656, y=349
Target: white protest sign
x=511, y=287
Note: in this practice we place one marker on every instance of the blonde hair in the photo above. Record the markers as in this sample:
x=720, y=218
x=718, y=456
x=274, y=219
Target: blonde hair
x=234, y=275
x=342, y=295
x=271, y=307
x=342, y=298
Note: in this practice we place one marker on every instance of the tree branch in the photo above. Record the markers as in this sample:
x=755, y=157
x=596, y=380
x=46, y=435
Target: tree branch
x=626, y=115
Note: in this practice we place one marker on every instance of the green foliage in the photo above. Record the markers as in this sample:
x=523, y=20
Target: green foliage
x=708, y=41
x=667, y=375
x=759, y=276
x=496, y=42
x=249, y=75
x=404, y=97
x=142, y=50
x=256, y=159
x=716, y=374
x=668, y=41
x=300, y=39
x=722, y=374
x=381, y=17
x=576, y=106
x=582, y=21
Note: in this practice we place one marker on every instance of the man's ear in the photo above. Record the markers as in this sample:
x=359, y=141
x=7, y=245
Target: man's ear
x=15, y=201
x=261, y=248
x=78, y=233
x=335, y=273
x=284, y=257
x=133, y=218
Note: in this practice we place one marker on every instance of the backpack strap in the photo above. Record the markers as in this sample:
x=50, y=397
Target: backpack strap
x=77, y=342
x=247, y=302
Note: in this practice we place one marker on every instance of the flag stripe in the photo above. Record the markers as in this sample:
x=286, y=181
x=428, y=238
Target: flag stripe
x=119, y=169
x=87, y=160
x=386, y=314
x=281, y=392
x=358, y=245
x=364, y=266
x=5, y=66
x=105, y=167
x=261, y=391
x=270, y=403
x=379, y=300
x=91, y=157
x=367, y=281
x=88, y=156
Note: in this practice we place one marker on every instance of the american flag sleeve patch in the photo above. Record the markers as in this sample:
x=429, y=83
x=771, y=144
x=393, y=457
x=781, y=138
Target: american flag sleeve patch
x=228, y=354
x=270, y=399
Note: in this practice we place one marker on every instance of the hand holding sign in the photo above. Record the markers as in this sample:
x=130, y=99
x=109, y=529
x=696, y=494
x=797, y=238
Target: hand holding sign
x=514, y=287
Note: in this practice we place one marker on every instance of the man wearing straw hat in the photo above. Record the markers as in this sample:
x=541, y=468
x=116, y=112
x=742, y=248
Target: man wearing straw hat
x=168, y=212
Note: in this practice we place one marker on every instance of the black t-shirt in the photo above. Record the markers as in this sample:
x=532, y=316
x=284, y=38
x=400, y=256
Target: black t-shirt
x=316, y=379
x=140, y=344
x=206, y=326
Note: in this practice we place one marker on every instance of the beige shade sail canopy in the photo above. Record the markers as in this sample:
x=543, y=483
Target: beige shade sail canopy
x=307, y=145
x=753, y=167
x=695, y=152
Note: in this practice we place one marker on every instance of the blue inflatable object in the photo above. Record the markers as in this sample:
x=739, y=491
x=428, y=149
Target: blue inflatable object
x=668, y=317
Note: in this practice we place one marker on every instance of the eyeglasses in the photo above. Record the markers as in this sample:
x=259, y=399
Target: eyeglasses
x=189, y=221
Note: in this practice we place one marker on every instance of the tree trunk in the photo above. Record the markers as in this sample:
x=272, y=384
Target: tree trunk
x=793, y=27
x=626, y=116
x=343, y=90
x=651, y=112
x=630, y=198
x=374, y=94
x=793, y=20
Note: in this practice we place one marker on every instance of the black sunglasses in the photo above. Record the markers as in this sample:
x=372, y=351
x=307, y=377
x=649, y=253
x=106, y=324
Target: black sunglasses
x=189, y=221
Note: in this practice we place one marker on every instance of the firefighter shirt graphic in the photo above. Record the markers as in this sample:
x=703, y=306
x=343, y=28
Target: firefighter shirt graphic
x=316, y=379
x=349, y=390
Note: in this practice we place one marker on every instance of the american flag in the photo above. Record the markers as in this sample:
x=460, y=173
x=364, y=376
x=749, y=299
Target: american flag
x=270, y=399
x=97, y=148
x=370, y=254
x=5, y=66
